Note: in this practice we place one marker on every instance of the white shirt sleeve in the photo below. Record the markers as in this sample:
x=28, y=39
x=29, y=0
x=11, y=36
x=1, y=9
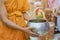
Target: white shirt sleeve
x=58, y=23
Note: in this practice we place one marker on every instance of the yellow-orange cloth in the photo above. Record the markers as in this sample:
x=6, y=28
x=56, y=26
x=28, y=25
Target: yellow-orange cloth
x=14, y=9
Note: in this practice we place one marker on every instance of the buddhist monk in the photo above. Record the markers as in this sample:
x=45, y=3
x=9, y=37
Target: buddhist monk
x=12, y=20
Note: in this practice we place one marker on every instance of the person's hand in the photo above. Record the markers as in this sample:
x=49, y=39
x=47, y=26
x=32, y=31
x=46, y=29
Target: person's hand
x=30, y=33
x=59, y=38
x=42, y=38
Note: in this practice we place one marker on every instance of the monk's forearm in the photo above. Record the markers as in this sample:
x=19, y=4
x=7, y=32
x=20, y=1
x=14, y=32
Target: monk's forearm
x=11, y=24
x=4, y=18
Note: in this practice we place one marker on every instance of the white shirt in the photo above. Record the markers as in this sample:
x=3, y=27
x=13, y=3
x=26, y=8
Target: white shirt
x=58, y=17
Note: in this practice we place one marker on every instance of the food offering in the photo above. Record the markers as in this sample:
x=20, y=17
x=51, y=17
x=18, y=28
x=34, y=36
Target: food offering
x=39, y=13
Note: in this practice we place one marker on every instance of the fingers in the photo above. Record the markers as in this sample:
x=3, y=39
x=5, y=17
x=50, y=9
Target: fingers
x=33, y=34
x=29, y=32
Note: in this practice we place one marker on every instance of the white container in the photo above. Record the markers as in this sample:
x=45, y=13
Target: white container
x=41, y=27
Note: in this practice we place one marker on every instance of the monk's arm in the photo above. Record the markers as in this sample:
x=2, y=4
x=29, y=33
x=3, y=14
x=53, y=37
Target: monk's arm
x=4, y=18
x=13, y=25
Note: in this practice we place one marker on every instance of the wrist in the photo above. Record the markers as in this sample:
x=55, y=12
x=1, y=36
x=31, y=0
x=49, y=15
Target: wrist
x=22, y=29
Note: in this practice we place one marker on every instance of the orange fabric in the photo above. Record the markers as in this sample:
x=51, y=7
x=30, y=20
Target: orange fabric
x=14, y=9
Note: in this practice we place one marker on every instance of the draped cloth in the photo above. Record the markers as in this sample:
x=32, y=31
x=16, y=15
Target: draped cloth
x=14, y=10
x=52, y=3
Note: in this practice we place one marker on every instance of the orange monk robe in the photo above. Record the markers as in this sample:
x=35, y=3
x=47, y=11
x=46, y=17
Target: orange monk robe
x=14, y=10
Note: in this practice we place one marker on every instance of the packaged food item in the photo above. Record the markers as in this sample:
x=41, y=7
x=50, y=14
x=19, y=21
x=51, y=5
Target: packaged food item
x=39, y=13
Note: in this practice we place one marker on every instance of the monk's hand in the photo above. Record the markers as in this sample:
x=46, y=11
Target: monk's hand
x=30, y=33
